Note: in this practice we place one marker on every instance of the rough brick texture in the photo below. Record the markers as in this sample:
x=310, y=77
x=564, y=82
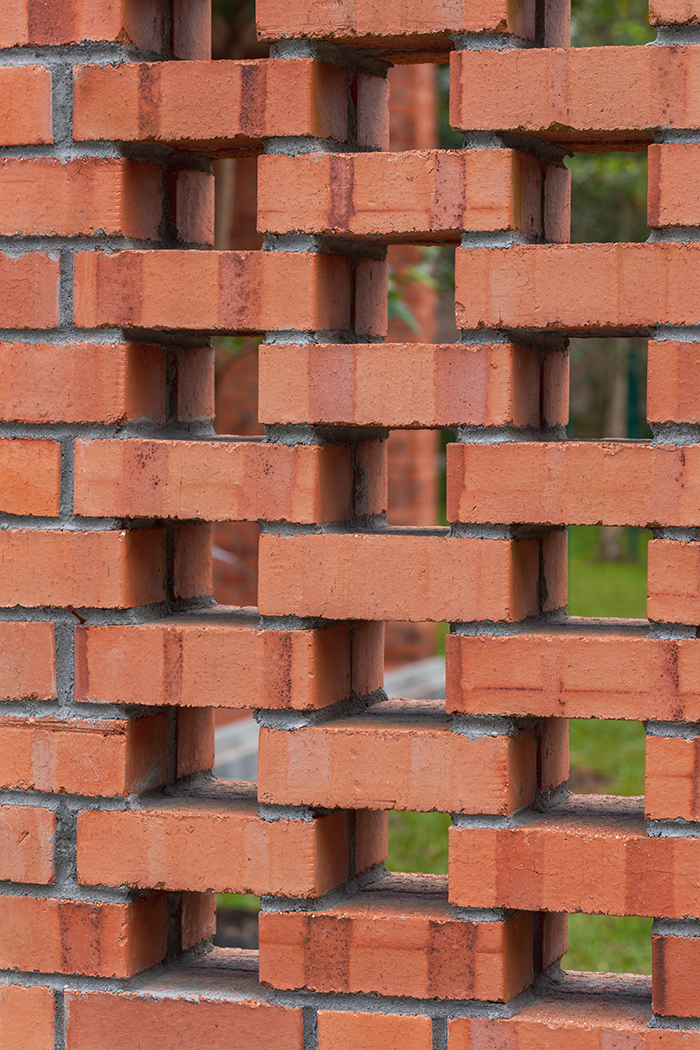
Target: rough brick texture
x=114, y=839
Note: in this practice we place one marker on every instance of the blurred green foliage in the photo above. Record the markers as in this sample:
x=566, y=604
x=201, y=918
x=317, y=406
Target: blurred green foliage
x=607, y=588
x=232, y=10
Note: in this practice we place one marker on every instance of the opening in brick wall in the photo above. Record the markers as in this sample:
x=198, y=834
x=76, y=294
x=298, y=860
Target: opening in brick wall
x=418, y=842
x=606, y=757
x=609, y=944
x=616, y=22
x=608, y=197
x=608, y=571
x=237, y=920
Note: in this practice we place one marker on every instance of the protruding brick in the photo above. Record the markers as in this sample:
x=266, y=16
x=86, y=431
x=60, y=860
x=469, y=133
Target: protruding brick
x=673, y=12
x=224, y=107
x=27, y=1017
x=566, y=287
x=47, y=197
x=673, y=581
x=195, y=740
x=197, y=914
x=41, y=24
x=574, y=483
x=101, y=569
x=583, y=97
x=671, y=788
x=415, y=25
x=422, y=195
x=193, y=211
x=27, y=661
x=349, y=1030
x=81, y=383
x=676, y=976
x=590, y=854
x=576, y=673
x=237, y=291
x=216, y=843
x=191, y=32
x=223, y=659
x=208, y=1022
x=81, y=757
x=213, y=480
x=25, y=106
x=195, y=384
x=673, y=382
x=99, y=940
x=397, y=943
x=26, y=846
x=29, y=290
x=30, y=477
x=672, y=200
x=411, y=385
x=398, y=576
x=385, y=760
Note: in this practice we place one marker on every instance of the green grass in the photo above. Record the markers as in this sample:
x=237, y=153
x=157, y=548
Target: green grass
x=418, y=842
x=607, y=588
x=609, y=944
x=238, y=901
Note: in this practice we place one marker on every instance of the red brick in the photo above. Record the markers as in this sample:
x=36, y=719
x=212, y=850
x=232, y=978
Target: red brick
x=224, y=107
x=101, y=569
x=590, y=854
x=214, y=480
x=81, y=383
x=574, y=483
x=27, y=1018
x=673, y=12
x=589, y=1012
x=371, y=290
x=45, y=22
x=401, y=943
x=671, y=788
x=195, y=740
x=218, y=843
x=191, y=32
x=195, y=384
x=371, y=478
x=27, y=661
x=578, y=286
x=376, y=762
x=410, y=384
x=47, y=197
x=575, y=674
x=193, y=211
x=30, y=477
x=372, y=104
x=160, y=1020
x=676, y=976
x=673, y=386
x=192, y=560
x=29, y=290
x=673, y=581
x=414, y=24
x=25, y=106
x=245, y=291
x=197, y=914
x=397, y=576
x=348, y=1030
x=98, y=940
x=26, y=846
x=192, y=660
x=671, y=193
x=81, y=757
x=421, y=195
x=594, y=97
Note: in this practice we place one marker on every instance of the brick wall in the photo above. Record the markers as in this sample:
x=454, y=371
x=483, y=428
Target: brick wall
x=112, y=658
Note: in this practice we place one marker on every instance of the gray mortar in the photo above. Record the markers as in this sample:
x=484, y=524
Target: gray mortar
x=676, y=334
x=672, y=829
x=59, y=1019
x=676, y=928
x=674, y=234
x=496, y=238
x=482, y=336
x=439, y=1033
x=310, y=1028
x=489, y=42
x=680, y=135
x=673, y=36
x=675, y=433
x=320, y=244
x=677, y=534
x=680, y=730
x=273, y=813
x=504, y=435
x=351, y=58
x=290, y=721
x=675, y=1024
x=477, y=727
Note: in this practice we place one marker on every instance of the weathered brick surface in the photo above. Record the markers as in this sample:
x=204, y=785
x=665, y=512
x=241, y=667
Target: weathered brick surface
x=27, y=1017
x=220, y=844
x=25, y=106
x=227, y=659
x=27, y=839
x=29, y=290
x=38, y=23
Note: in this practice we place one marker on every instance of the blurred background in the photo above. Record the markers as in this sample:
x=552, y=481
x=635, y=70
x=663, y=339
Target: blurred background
x=607, y=566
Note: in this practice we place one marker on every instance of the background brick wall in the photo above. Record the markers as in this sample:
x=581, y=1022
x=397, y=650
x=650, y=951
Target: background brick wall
x=114, y=838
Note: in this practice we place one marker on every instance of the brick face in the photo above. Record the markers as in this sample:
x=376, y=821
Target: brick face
x=120, y=259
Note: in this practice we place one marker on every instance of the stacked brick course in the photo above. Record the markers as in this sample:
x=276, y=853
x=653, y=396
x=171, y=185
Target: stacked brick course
x=113, y=839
